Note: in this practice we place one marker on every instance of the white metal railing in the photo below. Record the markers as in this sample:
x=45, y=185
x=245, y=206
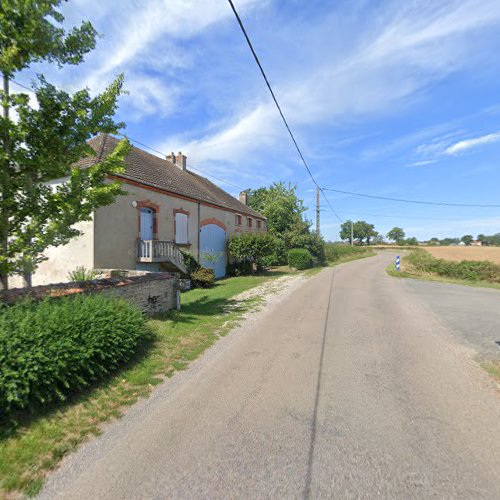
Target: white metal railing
x=160, y=251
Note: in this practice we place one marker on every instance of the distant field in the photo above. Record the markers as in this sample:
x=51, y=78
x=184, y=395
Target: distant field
x=466, y=253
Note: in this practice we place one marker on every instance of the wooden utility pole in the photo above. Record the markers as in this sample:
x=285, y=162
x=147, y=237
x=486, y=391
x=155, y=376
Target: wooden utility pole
x=4, y=232
x=317, y=211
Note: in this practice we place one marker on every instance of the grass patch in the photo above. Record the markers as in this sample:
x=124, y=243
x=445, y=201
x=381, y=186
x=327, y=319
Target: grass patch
x=493, y=368
x=33, y=444
x=352, y=256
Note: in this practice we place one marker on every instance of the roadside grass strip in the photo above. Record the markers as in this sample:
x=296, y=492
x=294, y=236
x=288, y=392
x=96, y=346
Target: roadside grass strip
x=407, y=271
x=33, y=444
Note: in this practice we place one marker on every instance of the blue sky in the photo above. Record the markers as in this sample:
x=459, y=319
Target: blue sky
x=393, y=98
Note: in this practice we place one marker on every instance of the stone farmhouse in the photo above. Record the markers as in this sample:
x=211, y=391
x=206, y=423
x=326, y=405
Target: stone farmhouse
x=167, y=208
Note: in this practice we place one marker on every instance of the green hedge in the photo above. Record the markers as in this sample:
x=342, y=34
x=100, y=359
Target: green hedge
x=300, y=258
x=54, y=347
x=335, y=251
x=471, y=270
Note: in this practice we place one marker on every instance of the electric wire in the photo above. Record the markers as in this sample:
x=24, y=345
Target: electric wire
x=420, y=202
x=247, y=38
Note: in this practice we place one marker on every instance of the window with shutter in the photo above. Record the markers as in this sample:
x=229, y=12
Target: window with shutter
x=181, y=228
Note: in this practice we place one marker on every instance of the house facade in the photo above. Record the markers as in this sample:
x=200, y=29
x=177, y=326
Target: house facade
x=167, y=208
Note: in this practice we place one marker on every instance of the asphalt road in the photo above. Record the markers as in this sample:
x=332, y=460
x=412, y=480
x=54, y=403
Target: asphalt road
x=351, y=387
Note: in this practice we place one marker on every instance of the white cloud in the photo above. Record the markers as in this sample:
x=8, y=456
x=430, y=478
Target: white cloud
x=467, y=144
x=399, y=53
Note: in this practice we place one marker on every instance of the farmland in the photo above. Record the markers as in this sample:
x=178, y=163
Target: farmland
x=465, y=253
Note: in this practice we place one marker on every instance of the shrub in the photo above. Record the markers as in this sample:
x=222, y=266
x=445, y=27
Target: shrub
x=203, y=278
x=82, y=274
x=252, y=248
x=190, y=262
x=310, y=241
x=299, y=258
x=51, y=348
x=242, y=268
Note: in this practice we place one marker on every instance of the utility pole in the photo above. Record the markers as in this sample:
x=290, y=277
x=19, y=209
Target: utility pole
x=4, y=234
x=317, y=211
x=352, y=234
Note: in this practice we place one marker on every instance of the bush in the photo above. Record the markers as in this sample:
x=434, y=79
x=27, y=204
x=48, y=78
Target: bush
x=203, y=278
x=249, y=247
x=299, y=258
x=190, y=262
x=54, y=347
x=309, y=241
x=242, y=268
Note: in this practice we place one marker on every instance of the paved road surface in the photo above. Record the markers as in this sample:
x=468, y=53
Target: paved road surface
x=472, y=313
x=351, y=388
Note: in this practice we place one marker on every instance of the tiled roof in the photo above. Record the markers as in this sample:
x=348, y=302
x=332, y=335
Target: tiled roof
x=150, y=170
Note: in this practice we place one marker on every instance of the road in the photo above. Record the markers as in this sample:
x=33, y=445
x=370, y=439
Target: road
x=350, y=387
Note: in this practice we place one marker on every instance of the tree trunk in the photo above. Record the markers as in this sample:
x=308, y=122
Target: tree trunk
x=4, y=233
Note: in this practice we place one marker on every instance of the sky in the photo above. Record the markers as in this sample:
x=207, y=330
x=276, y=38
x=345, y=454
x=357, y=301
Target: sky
x=390, y=98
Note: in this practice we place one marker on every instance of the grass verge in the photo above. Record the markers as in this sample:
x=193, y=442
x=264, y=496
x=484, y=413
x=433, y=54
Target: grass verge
x=33, y=444
x=493, y=368
x=404, y=273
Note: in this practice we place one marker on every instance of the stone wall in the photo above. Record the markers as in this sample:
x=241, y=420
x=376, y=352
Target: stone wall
x=153, y=293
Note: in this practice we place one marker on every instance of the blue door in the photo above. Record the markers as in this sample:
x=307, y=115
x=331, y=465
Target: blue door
x=147, y=218
x=213, y=249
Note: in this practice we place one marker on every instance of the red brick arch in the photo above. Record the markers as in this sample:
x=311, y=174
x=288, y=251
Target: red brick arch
x=213, y=220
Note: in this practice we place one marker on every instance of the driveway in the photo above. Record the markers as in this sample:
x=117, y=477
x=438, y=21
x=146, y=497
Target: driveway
x=351, y=387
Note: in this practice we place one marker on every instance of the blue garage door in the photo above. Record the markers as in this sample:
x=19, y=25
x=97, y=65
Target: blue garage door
x=213, y=249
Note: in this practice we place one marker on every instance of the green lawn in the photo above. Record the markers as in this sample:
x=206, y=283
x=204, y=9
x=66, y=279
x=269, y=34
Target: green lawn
x=32, y=445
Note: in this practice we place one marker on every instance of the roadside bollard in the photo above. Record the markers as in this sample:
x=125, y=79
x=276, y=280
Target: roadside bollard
x=398, y=263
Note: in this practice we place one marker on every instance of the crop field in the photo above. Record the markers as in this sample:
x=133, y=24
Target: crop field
x=466, y=253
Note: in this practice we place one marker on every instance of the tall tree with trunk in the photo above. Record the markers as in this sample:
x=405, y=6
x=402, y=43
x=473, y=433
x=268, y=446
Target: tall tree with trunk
x=43, y=142
x=396, y=234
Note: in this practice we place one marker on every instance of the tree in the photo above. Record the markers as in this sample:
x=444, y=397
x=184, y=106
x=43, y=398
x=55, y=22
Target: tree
x=44, y=142
x=467, y=239
x=411, y=241
x=434, y=241
x=285, y=220
x=361, y=231
x=345, y=231
x=396, y=234
x=280, y=204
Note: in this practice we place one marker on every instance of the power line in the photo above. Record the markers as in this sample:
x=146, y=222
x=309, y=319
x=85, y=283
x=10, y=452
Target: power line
x=402, y=200
x=278, y=106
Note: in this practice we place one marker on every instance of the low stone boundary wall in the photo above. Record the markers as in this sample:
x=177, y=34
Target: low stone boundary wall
x=153, y=293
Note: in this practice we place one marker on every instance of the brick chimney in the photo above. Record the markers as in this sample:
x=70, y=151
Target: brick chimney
x=171, y=157
x=181, y=160
x=243, y=197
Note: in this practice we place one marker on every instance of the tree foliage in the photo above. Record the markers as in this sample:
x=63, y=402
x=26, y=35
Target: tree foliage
x=362, y=231
x=44, y=142
x=285, y=220
x=396, y=234
x=467, y=239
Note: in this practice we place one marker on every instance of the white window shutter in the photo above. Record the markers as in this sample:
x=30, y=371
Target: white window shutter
x=181, y=228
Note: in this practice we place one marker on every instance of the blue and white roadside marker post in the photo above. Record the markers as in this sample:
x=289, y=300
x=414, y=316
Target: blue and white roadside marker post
x=398, y=263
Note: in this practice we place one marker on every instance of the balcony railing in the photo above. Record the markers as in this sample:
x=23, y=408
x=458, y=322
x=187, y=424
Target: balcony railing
x=160, y=251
